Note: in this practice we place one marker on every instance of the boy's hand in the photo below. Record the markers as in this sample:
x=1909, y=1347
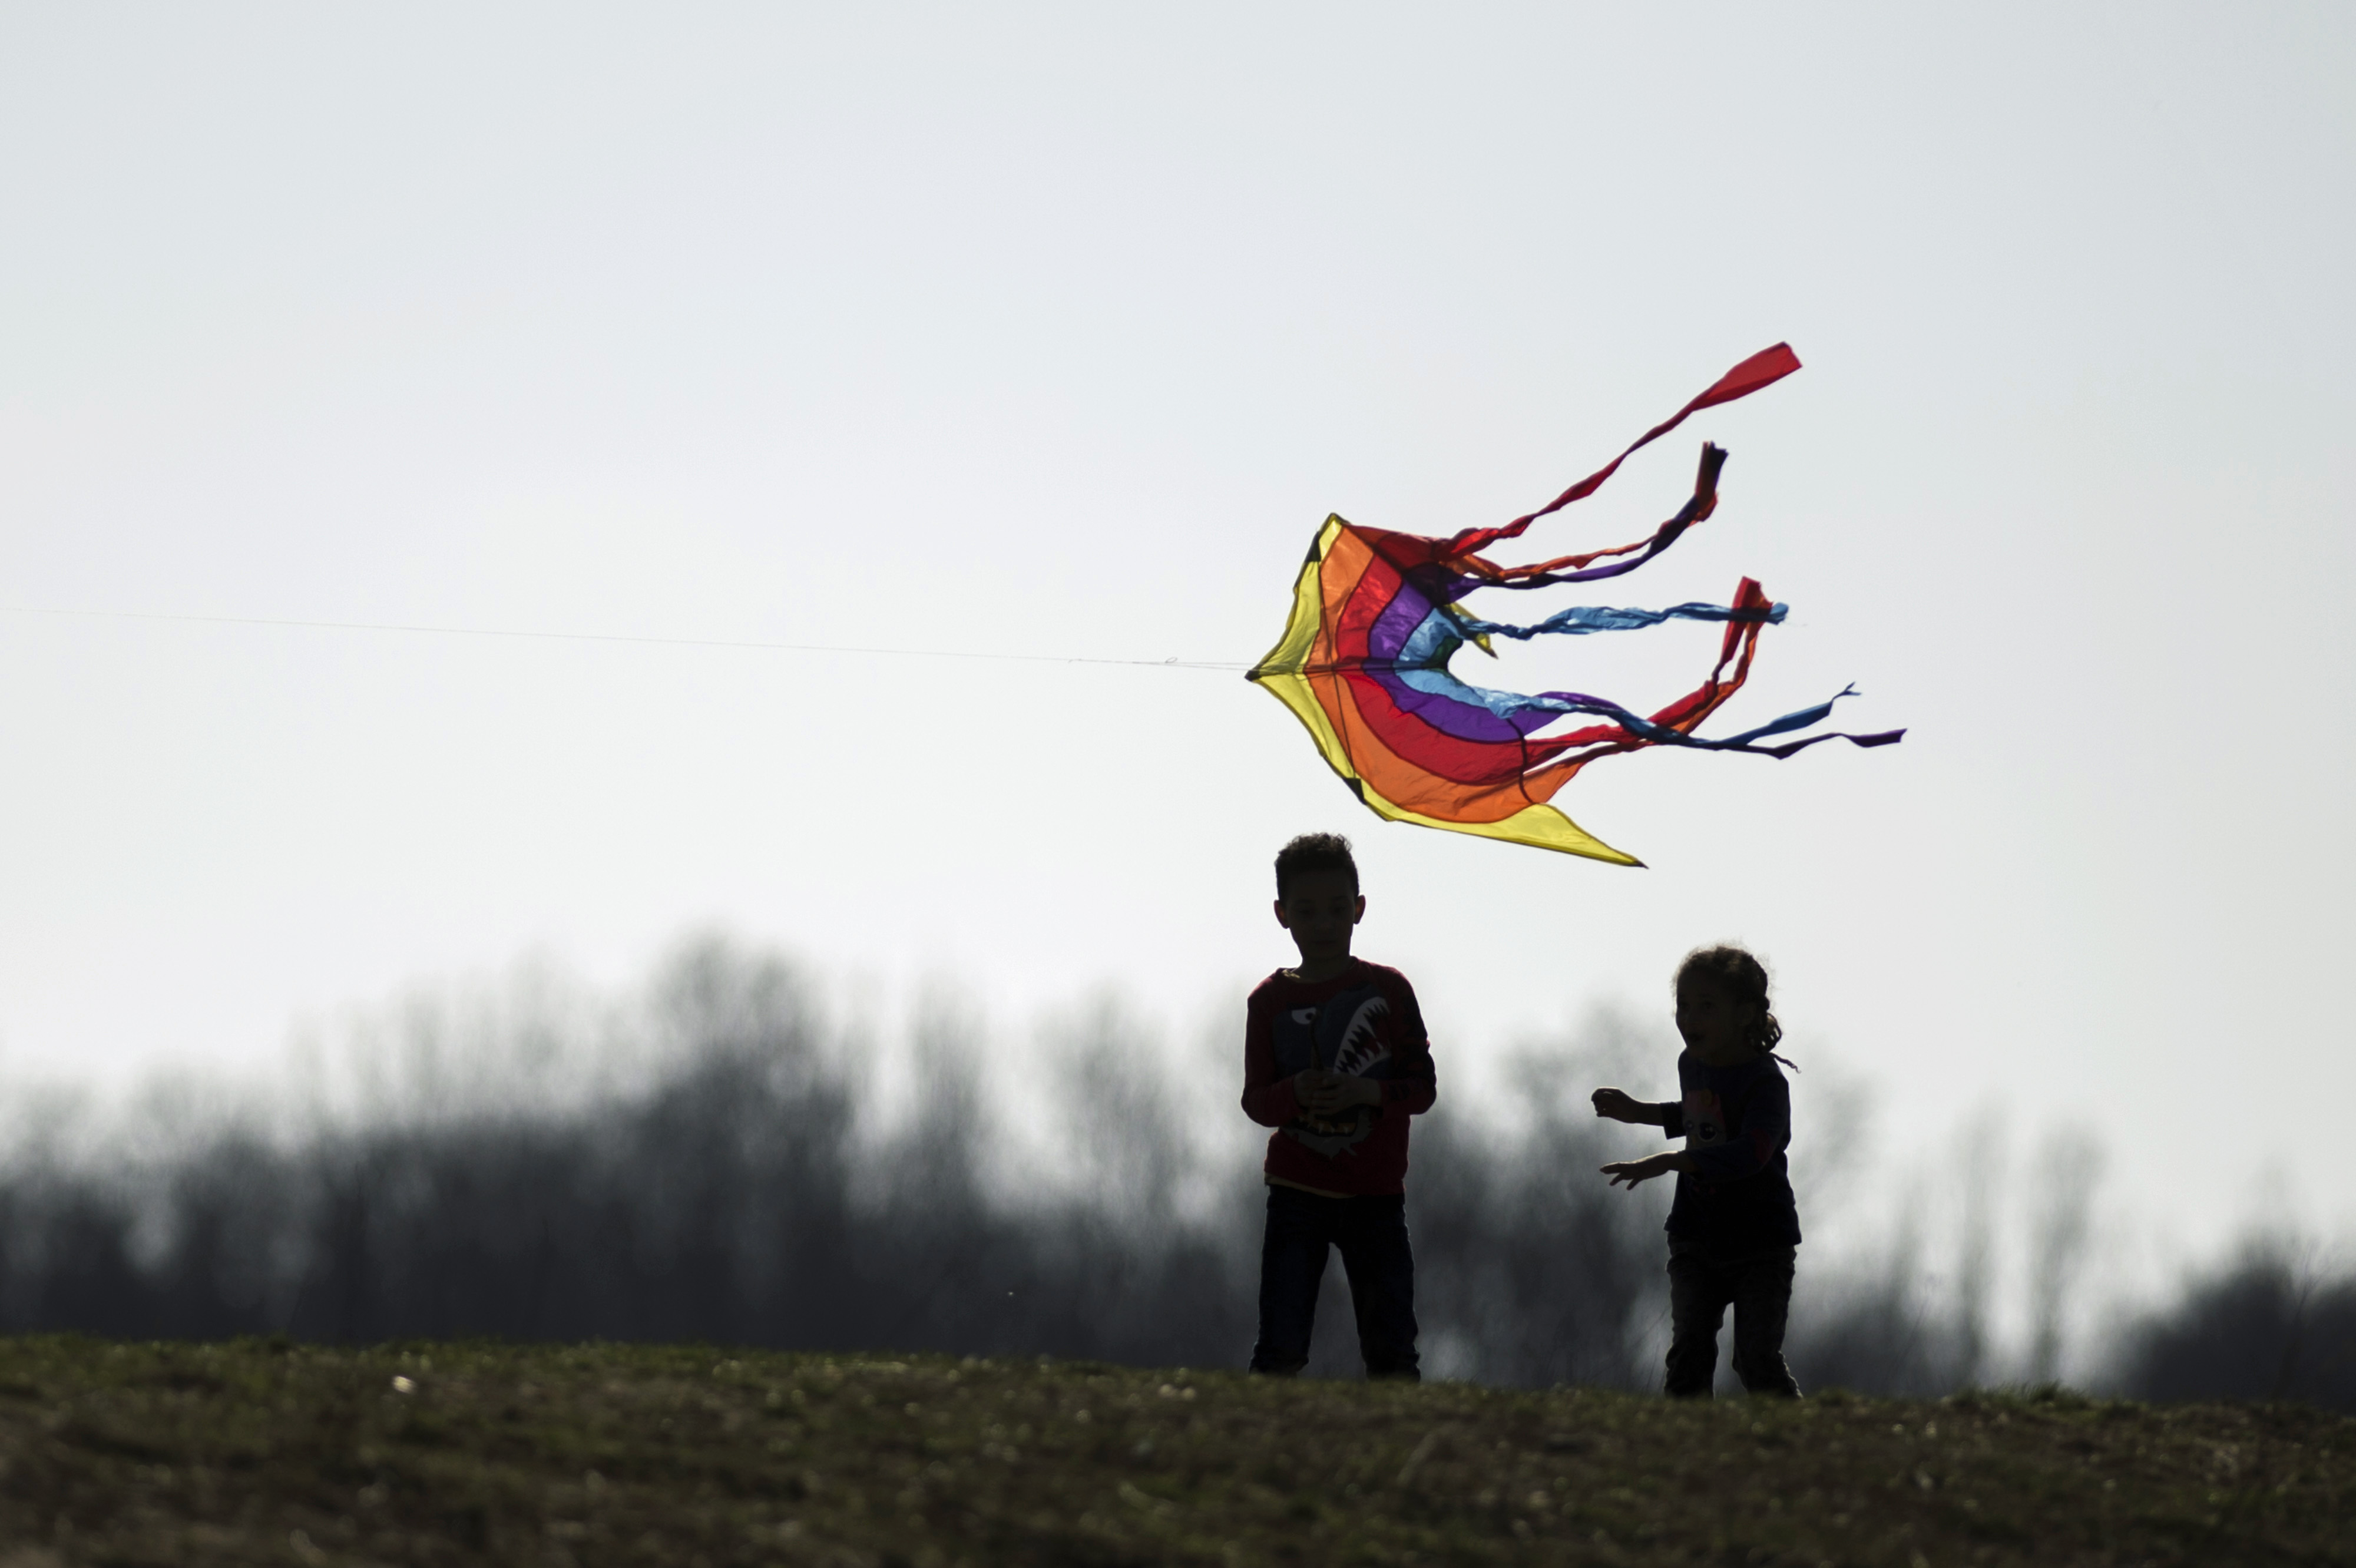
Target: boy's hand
x=1323, y=1093
x=1633, y=1172
x=1619, y=1105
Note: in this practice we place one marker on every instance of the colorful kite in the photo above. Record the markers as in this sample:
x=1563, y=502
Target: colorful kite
x=1375, y=617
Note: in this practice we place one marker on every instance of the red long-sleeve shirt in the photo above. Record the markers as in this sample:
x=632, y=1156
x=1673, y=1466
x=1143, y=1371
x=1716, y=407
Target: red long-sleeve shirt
x=1364, y=1022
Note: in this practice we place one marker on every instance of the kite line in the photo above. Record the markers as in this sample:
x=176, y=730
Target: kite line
x=1362, y=663
x=528, y=634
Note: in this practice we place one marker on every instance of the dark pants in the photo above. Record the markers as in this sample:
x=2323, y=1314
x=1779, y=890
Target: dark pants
x=1701, y=1288
x=1372, y=1234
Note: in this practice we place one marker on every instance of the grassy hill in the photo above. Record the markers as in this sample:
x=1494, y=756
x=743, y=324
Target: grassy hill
x=264, y=1452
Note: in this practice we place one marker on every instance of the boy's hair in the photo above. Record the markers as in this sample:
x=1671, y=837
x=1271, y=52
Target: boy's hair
x=1313, y=853
x=1741, y=979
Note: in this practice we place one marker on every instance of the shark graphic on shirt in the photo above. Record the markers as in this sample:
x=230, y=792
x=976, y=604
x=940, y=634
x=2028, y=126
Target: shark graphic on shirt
x=1344, y=1035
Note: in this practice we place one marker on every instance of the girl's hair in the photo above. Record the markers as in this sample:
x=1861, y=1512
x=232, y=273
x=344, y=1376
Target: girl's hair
x=1741, y=979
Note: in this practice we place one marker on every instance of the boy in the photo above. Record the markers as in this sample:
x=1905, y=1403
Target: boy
x=1335, y=1060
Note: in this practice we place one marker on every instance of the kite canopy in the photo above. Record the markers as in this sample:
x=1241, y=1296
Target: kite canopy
x=1363, y=663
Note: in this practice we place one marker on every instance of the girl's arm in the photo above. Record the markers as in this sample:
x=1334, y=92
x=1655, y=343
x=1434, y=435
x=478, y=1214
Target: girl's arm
x=1644, y=1170
x=1621, y=1106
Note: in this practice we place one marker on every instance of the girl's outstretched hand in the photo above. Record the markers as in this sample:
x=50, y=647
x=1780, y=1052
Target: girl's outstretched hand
x=1618, y=1104
x=1635, y=1171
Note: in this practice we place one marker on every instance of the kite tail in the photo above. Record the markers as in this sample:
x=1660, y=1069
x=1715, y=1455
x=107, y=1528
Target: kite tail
x=1581, y=619
x=1675, y=725
x=1652, y=733
x=1476, y=572
x=1762, y=369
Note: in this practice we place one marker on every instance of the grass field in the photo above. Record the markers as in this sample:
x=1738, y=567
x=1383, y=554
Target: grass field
x=260, y=1452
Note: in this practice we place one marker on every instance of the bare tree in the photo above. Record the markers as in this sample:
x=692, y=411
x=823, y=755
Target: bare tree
x=724, y=1176
x=2063, y=1179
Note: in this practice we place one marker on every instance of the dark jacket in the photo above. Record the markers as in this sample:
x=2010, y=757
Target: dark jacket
x=1737, y=1123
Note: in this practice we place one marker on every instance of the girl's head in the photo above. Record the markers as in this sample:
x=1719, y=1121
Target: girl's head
x=1722, y=1006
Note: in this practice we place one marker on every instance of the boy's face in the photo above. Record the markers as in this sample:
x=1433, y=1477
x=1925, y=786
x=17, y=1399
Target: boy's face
x=1320, y=908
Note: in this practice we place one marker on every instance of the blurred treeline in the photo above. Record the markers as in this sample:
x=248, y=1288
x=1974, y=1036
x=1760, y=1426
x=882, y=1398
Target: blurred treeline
x=722, y=1160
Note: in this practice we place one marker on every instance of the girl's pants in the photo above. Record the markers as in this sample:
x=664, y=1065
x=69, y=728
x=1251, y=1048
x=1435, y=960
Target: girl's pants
x=1371, y=1233
x=1701, y=1288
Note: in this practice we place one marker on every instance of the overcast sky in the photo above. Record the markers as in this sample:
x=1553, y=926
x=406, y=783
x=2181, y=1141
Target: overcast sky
x=1058, y=331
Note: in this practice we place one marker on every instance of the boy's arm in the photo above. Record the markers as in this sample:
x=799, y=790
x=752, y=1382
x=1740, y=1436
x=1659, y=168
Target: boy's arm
x=1414, y=1082
x=1268, y=1099
x=1764, y=1132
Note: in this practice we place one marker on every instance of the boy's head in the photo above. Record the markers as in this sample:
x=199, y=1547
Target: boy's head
x=1317, y=897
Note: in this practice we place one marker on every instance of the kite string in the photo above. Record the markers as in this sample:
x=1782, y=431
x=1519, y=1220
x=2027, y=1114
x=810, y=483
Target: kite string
x=424, y=629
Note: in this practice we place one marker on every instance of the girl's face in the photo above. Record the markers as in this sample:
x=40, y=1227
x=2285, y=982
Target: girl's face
x=1716, y=1028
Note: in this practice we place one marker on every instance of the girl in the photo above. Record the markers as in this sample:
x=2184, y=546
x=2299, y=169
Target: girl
x=1734, y=1228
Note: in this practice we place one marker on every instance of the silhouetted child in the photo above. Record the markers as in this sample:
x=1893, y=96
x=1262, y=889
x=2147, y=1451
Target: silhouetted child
x=1734, y=1228
x=1335, y=1060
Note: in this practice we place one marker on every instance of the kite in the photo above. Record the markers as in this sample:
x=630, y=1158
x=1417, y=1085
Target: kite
x=1376, y=616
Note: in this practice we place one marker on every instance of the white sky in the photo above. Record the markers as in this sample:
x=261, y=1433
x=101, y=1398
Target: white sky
x=1059, y=331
